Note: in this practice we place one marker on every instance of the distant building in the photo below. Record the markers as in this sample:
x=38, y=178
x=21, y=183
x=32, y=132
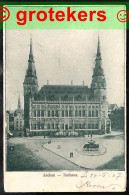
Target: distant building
x=8, y=134
x=66, y=109
x=11, y=120
x=18, y=120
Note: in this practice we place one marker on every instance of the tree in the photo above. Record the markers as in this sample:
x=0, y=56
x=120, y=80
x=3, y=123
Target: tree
x=117, y=119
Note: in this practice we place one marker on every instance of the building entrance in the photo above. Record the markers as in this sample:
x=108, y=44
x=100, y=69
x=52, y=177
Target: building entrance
x=66, y=127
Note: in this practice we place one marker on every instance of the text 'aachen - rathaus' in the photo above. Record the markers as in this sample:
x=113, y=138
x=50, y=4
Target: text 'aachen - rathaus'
x=66, y=109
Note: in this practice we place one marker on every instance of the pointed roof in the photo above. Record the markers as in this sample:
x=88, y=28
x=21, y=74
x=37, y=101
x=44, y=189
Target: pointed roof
x=19, y=110
x=98, y=55
x=98, y=76
x=98, y=70
x=19, y=103
x=31, y=71
x=64, y=92
x=31, y=57
x=31, y=77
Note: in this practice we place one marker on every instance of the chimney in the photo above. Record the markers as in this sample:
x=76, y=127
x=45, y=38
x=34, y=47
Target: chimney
x=71, y=82
x=47, y=82
x=83, y=83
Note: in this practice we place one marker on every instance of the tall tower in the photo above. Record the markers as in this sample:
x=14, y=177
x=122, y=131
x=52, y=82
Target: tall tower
x=30, y=86
x=98, y=79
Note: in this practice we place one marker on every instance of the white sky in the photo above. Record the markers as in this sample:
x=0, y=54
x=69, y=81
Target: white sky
x=76, y=50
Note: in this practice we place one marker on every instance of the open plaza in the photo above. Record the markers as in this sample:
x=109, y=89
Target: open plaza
x=45, y=153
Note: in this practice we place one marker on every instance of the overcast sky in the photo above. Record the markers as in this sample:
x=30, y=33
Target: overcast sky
x=64, y=55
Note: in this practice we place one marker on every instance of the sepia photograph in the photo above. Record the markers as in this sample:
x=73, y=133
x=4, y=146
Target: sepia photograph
x=64, y=100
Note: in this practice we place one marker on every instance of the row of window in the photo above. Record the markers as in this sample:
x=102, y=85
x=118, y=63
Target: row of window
x=19, y=124
x=99, y=84
x=66, y=126
x=42, y=107
x=66, y=113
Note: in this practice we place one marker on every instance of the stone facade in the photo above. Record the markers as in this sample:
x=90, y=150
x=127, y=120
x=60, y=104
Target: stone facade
x=66, y=109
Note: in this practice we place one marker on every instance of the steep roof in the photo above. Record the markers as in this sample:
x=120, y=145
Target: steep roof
x=64, y=92
x=98, y=77
x=31, y=77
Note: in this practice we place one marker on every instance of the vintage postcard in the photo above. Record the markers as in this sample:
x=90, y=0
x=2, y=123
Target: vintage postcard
x=64, y=110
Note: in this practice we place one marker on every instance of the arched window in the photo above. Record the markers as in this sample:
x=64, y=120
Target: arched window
x=34, y=113
x=38, y=113
x=42, y=113
x=65, y=98
x=52, y=113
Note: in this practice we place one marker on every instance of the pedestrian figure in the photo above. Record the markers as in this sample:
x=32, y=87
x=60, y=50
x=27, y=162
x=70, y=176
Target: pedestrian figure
x=58, y=147
x=49, y=142
x=71, y=154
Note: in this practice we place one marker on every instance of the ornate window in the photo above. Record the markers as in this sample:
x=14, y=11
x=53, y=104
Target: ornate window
x=42, y=126
x=42, y=113
x=52, y=113
x=76, y=125
x=56, y=126
x=83, y=113
x=48, y=126
x=65, y=98
x=96, y=112
x=76, y=113
x=93, y=126
x=80, y=126
x=66, y=113
x=89, y=125
x=38, y=124
x=70, y=113
x=62, y=126
x=56, y=113
x=83, y=125
x=34, y=113
x=48, y=113
x=62, y=113
x=34, y=126
x=38, y=113
x=96, y=125
x=89, y=113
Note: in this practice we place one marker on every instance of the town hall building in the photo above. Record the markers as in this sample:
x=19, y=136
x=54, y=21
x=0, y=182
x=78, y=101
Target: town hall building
x=66, y=110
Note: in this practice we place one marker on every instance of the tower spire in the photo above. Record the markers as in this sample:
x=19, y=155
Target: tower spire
x=98, y=55
x=19, y=103
x=30, y=86
x=98, y=83
x=31, y=71
x=31, y=57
